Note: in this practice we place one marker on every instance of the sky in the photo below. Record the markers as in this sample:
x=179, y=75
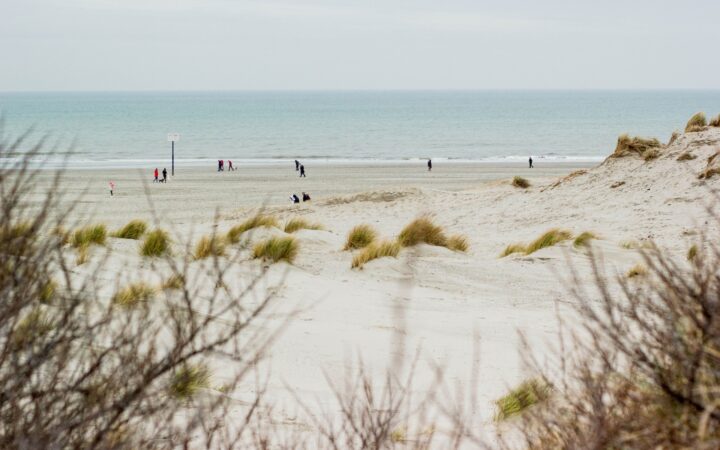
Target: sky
x=113, y=45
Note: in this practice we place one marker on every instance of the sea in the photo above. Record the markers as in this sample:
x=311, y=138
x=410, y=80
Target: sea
x=130, y=129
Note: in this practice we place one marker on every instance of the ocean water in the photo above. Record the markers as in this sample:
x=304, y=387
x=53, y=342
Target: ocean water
x=129, y=129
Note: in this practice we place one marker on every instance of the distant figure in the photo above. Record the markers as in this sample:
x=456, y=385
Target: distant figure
x=306, y=197
x=219, y=165
x=297, y=165
x=429, y=165
x=530, y=161
x=302, y=171
x=295, y=199
x=164, y=172
x=230, y=166
x=222, y=164
x=112, y=187
x=157, y=176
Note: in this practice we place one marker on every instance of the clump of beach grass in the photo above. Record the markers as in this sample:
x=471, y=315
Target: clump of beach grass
x=548, y=239
x=277, y=249
x=422, y=230
x=527, y=394
x=132, y=230
x=715, y=121
x=638, y=270
x=260, y=220
x=32, y=327
x=686, y=156
x=583, y=239
x=458, y=243
x=133, y=295
x=520, y=182
x=692, y=253
x=512, y=248
x=156, y=243
x=209, y=246
x=298, y=223
x=360, y=236
x=674, y=137
x=650, y=154
x=188, y=380
x=697, y=122
x=636, y=145
x=48, y=291
x=374, y=251
x=174, y=282
x=89, y=235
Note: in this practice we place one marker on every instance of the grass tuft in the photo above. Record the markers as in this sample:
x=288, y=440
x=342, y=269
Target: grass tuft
x=692, y=253
x=360, y=236
x=374, y=251
x=86, y=236
x=133, y=230
x=637, y=270
x=276, y=249
x=175, y=282
x=583, y=239
x=299, y=223
x=715, y=121
x=188, y=380
x=512, y=248
x=697, y=122
x=260, y=220
x=650, y=154
x=674, y=137
x=520, y=182
x=48, y=291
x=133, y=295
x=686, y=156
x=527, y=394
x=82, y=256
x=548, y=239
x=209, y=246
x=627, y=146
x=156, y=243
x=458, y=243
x=31, y=328
x=422, y=230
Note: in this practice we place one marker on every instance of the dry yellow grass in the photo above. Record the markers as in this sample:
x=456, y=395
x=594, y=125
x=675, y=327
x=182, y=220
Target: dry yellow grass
x=512, y=248
x=209, y=246
x=548, y=239
x=637, y=270
x=686, y=156
x=527, y=394
x=133, y=295
x=715, y=121
x=298, y=223
x=627, y=146
x=422, y=230
x=277, y=249
x=650, y=154
x=360, y=236
x=174, y=282
x=697, y=122
x=260, y=220
x=520, y=182
x=188, y=380
x=86, y=236
x=374, y=251
x=133, y=230
x=673, y=138
x=583, y=239
x=458, y=243
x=156, y=243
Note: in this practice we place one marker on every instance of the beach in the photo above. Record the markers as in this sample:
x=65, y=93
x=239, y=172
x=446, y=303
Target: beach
x=463, y=311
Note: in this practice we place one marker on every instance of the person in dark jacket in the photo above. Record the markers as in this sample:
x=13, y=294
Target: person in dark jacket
x=429, y=165
x=295, y=199
x=164, y=172
x=530, y=162
x=297, y=165
x=306, y=197
x=302, y=171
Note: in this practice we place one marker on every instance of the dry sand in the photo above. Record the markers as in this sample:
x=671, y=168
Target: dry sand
x=458, y=309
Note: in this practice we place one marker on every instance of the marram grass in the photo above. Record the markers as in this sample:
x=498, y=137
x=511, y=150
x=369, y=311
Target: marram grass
x=174, y=282
x=188, y=380
x=132, y=230
x=133, y=295
x=422, y=230
x=360, y=237
x=260, y=220
x=637, y=270
x=627, y=145
x=527, y=394
x=277, y=249
x=458, y=243
x=512, y=248
x=298, y=223
x=91, y=234
x=209, y=246
x=583, y=239
x=374, y=251
x=156, y=243
x=696, y=123
x=520, y=182
x=548, y=239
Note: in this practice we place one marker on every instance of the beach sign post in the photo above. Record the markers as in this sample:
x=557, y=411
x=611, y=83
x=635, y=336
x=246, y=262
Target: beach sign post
x=173, y=137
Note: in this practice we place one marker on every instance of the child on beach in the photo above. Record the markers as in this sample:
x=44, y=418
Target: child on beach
x=112, y=187
x=157, y=175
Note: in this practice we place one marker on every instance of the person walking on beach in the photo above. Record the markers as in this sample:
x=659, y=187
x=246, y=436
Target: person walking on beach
x=429, y=165
x=297, y=165
x=306, y=197
x=164, y=172
x=530, y=162
x=112, y=187
x=230, y=166
x=302, y=171
x=294, y=198
x=157, y=175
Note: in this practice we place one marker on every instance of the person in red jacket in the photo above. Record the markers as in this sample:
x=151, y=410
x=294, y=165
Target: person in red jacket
x=157, y=174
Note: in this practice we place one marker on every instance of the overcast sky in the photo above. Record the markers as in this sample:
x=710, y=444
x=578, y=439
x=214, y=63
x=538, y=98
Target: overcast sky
x=358, y=44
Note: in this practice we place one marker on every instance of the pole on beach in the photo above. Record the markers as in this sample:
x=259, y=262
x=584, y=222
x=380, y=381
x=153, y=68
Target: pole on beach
x=172, y=137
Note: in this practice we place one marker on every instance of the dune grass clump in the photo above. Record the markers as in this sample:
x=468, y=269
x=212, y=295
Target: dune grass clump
x=209, y=246
x=636, y=145
x=458, y=243
x=512, y=248
x=692, y=253
x=360, y=237
x=132, y=230
x=86, y=236
x=374, y=251
x=277, y=249
x=673, y=137
x=188, y=380
x=422, y=230
x=527, y=394
x=260, y=220
x=583, y=239
x=31, y=328
x=48, y=291
x=548, y=239
x=637, y=270
x=715, y=121
x=650, y=154
x=686, y=156
x=133, y=295
x=298, y=223
x=174, y=282
x=156, y=243
x=520, y=182
x=697, y=122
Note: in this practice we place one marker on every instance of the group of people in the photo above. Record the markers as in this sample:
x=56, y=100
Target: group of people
x=305, y=197
x=157, y=176
x=221, y=165
x=300, y=168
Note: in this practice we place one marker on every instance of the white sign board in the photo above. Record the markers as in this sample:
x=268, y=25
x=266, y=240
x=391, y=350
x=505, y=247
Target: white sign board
x=173, y=137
